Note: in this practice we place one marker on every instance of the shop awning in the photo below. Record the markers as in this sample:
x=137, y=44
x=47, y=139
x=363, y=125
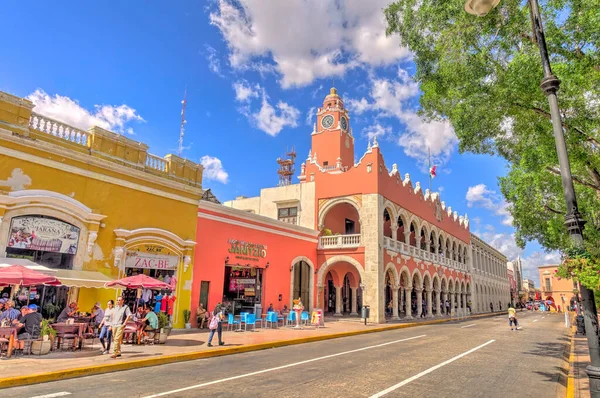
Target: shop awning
x=76, y=278
x=7, y=262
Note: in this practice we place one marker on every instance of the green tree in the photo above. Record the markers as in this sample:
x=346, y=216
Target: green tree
x=483, y=76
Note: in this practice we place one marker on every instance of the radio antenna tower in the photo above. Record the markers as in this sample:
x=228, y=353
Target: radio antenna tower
x=286, y=168
x=183, y=122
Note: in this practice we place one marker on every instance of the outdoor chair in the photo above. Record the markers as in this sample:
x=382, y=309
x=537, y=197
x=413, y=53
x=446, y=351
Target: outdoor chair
x=291, y=318
x=251, y=320
x=304, y=317
x=243, y=316
x=272, y=318
x=231, y=321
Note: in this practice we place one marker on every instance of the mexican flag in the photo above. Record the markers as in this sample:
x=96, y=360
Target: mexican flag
x=432, y=173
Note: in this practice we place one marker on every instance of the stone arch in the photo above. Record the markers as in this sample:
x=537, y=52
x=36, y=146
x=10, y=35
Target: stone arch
x=391, y=208
x=329, y=263
x=427, y=282
x=311, y=285
x=444, y=284
x=391, y=268
x=415, y=232
x=405, y=278
x=418, y=279
x=436, y=282
x=433, y=241
x=332, y=203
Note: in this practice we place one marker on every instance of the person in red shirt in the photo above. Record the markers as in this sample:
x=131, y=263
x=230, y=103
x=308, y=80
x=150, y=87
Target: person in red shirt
x=171, y=301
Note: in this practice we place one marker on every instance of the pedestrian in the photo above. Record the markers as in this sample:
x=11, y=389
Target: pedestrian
x=106, y=328
x=491, y=307
x=215, y=325
x=121, y=316
x=512, y=318
x=500, y=305
x=447, y=307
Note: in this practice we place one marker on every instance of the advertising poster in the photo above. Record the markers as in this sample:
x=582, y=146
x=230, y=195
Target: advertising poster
x=43, y=234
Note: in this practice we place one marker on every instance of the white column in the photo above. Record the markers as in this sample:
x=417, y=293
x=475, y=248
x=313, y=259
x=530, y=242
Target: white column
x=338, y=301
x=407, y=235
x=353, y=303
x=407, y=302
x=451, y=301
x=429, y=304
x=395, y=302
x=438, y=302
x=419, y=293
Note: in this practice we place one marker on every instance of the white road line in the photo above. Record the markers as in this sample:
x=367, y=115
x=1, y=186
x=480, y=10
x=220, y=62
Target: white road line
x=279, y=367
x=468, y=326
x=425, y=372
x=535, y=320
x=56, y=394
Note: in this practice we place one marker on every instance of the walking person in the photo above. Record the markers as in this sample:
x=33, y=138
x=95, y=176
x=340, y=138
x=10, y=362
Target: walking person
x=491, y=307
x=447, y=307
x=512, y=318
x=120, y=318
x=215, y=325
x=106, y=328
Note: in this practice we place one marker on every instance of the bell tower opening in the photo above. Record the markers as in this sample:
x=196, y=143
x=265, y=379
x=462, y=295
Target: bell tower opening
x=332, y=137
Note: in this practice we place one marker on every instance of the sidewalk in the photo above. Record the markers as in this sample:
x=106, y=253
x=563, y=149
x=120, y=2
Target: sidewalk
x=580, y=358
x=181, y=346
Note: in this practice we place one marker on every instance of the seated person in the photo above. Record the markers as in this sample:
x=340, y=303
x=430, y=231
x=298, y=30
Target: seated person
x=97, y=315
x=69, y=312
x=10, y=314
x=201, y=316
x=150, y=323
x=285, y=310
x=29, y=325
x=270, y=309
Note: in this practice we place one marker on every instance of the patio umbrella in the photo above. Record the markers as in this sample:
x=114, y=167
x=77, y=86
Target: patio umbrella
x=20, y=275
x=139, y=281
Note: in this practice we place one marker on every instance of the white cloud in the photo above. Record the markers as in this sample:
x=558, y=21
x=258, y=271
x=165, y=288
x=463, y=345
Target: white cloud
x=272, y=120
x=376, y=130
x=214, y=63
x=536, y=259
x=213, y=169
x=391, y=98
x=244, y=92
x=480, y=196
x=355, y=36
x=310, y=115
x=64, y=109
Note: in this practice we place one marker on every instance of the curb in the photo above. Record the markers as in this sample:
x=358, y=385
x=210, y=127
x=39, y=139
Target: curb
x=46, y=377
x=571, y=367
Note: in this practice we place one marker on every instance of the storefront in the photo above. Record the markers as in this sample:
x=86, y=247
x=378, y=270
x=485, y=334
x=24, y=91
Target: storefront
x=248, y=262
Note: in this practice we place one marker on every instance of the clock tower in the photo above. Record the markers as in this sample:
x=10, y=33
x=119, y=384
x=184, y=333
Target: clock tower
x=332, y=139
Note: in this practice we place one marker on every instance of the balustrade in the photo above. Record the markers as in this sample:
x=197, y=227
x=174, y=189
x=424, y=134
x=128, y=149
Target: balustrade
x=156, y=163
x=339, y=241
x=404, y=248
x=58, y=129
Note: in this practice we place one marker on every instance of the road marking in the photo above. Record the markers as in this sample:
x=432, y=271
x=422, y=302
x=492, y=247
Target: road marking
x=535, y=320
x=280, y=367
x=425, y=372
x=56, y=394
x=468, y=326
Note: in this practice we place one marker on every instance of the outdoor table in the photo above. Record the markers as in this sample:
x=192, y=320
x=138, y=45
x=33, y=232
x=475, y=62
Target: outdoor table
x=75, y=328
x=11, y=333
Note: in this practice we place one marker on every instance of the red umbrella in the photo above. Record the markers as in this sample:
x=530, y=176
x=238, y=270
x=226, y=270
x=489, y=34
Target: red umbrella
x=20, y=275
x=139, y=281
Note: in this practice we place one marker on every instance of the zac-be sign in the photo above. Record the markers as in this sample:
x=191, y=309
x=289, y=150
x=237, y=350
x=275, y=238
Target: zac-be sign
x=152, y=261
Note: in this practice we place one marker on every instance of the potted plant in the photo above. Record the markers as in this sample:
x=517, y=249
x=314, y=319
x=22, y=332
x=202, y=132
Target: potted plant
x=163, y=326
x=51, y=310
x=186, y=318
x=42, y=347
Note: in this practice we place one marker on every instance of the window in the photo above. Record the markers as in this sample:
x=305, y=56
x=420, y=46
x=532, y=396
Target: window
x=288, y=215
x=326, y=163
x=548, y=288
x=349, y=227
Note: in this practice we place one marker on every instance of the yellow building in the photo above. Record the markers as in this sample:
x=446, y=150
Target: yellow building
x=94, y=205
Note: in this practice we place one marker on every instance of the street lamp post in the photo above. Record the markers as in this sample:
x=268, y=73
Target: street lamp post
x=573, y=220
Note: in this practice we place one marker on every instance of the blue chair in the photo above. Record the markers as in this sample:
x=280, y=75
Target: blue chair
x=251, y=320
x=291, y=318
x=304, y=317
x=272, y=318
x=231, y=321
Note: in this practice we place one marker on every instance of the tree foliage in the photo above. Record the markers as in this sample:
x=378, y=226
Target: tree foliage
x=483, y=76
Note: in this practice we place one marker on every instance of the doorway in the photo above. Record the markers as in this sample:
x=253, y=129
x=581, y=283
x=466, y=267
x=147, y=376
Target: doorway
x=204, y=288
x=349, y=227
x=302, y=283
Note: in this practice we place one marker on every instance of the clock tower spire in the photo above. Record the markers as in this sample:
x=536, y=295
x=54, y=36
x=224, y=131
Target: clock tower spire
x=332, y=137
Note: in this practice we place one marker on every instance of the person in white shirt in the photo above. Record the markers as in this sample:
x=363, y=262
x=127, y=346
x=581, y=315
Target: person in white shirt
x=106, y=327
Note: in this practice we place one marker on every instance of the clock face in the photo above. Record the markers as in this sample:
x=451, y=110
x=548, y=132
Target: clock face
x=327, y=121
x=344, y=123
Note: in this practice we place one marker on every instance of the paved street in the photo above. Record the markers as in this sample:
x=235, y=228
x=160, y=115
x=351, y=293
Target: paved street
x=474, y=358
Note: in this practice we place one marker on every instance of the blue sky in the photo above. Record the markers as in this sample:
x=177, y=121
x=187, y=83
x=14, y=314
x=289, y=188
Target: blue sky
x=253, y=73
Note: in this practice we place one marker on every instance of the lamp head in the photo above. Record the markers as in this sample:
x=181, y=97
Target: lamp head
x=480, y=7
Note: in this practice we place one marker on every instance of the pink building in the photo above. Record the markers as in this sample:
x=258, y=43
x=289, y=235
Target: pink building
x=384, y=241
